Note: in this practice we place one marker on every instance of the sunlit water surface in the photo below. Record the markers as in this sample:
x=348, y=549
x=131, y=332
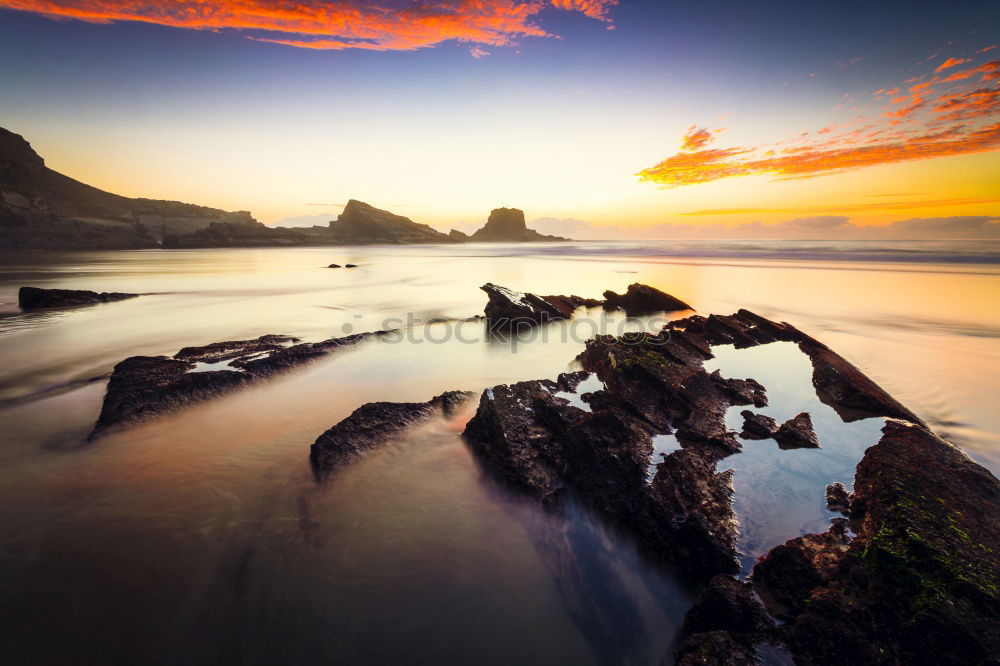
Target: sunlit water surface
x=202, y=537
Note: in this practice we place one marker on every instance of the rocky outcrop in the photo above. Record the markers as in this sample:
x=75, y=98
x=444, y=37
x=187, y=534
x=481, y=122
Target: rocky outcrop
x=508, y=225
x=374, y=424
x=361, y=223
x=508, y=308
x=458, y=236
x=797, y=433
x=757, y=426
x=726, y=626
x=641, y=299
x=837, y=498
x=917, y=583
x=43, y=209
x=33, y=298
x=145, y=386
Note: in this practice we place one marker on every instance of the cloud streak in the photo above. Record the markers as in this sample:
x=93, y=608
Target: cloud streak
x=953, y=114
x=334, y=25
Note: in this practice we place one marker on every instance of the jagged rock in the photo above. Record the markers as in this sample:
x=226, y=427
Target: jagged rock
x=725, y=625
x=32, y=298
x=742, y=391
x=918, y=583
x=145, y=386
x=374, y=424
x=544, y=447
x=507, y=225
x=509, y=308
x=837, y=498
x=757, y=426
x=43, y=209
x=797, y=433
x=845, y=388
x=641, y=298
x=789, y=573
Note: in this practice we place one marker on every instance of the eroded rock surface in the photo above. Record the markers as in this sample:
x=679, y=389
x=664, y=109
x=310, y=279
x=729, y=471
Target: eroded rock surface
x=757, y=426
x=507, y=307
x=34, y=298
x=144, y=386
x=918, y=582
x=797, y=433
x=374, y=424
x=641, y=298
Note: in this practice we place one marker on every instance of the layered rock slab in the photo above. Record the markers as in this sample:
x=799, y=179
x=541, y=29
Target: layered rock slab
x=374, y=424
x=36, y=298
x=144, y=386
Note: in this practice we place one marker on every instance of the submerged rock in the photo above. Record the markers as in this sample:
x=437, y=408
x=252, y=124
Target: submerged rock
x=350, y=265
x=374, y=424
x=757, y=426
x=641, y=298
x=145, y=386
x=34, y=298
x=797, y=433
x=334, y=266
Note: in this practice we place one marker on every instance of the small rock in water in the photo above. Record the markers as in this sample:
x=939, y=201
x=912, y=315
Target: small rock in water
x=334, y=266
x=797, y=433
x=32, y=298
x=641, y=298
x=837, y=498
x=350, y=265
x=757, y=426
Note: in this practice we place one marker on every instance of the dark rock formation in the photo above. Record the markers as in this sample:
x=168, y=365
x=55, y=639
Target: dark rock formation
x=361, y=223
x=43, y=209
x=725, y=626
x=509, y=308
x=757, y=426
x=32, y=298
x=918, y=583
x=507, y=225
x=837, y=498
x=641, y=298
x=350, y=265
x=845, y=388
x=797, y=433
x=334, y=266
x=546, y=448
x=145, y=386
x=374, y=424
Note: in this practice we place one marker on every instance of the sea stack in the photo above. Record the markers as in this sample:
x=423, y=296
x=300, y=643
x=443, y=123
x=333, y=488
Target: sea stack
x=507, y=225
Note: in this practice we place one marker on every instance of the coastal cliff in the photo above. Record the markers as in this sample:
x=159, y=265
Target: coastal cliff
x=43, y=209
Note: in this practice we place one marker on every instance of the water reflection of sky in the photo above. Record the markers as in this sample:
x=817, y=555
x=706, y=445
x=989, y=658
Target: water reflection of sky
x=779, y=494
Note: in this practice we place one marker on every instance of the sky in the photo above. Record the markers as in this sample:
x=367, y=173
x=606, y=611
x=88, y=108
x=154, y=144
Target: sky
x=598, y=118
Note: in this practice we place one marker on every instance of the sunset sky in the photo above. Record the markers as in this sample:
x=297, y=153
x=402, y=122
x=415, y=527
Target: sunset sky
x=607, y=119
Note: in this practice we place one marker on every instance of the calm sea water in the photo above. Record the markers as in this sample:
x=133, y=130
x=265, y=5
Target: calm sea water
x=202, y=537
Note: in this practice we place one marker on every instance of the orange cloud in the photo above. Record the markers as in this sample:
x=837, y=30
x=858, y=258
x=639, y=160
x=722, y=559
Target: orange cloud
x=951, y=62
x=695, y=138
x=324, y=24
x=851, y=208
x=941, y=118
